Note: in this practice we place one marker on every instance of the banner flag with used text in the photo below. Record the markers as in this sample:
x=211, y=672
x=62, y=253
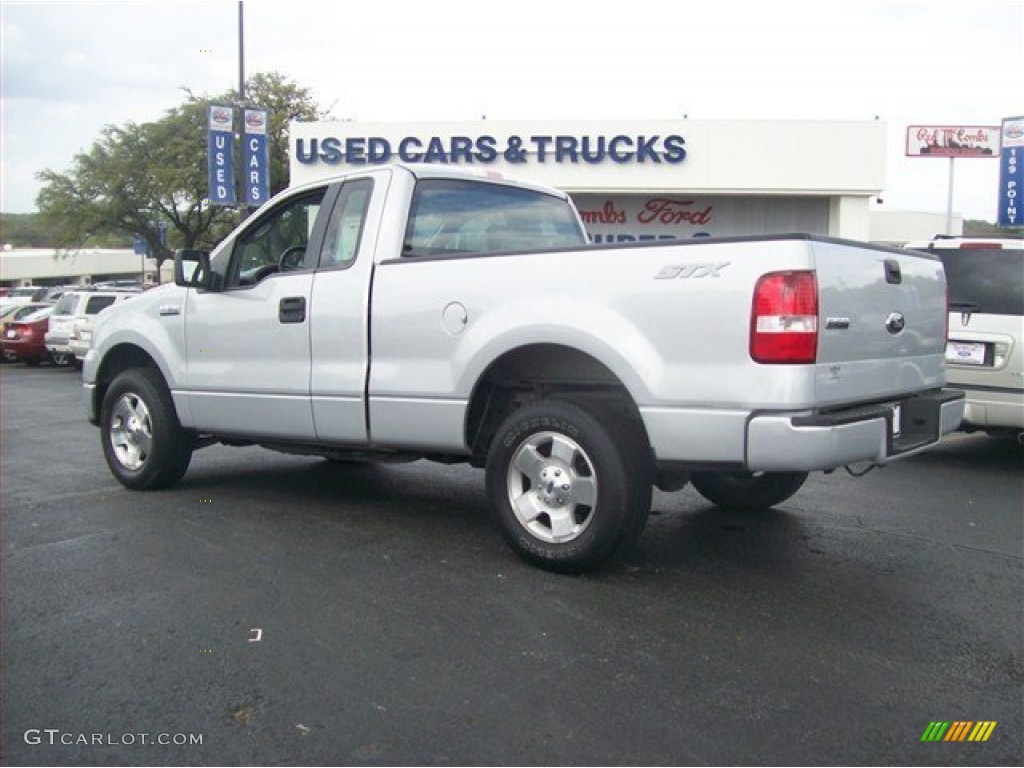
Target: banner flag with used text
x=220, y=159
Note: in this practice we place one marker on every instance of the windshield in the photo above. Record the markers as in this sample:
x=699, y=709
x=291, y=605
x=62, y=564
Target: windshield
x=36, y=314
x=987, y=280
x=24, y=312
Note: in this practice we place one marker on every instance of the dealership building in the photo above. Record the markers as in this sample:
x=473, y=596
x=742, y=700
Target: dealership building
x=633, y=181
x=637, y=181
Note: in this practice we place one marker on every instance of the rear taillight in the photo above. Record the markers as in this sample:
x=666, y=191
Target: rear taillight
x=784, y=320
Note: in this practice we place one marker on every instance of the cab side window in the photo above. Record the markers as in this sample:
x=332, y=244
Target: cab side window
x=341, y=242
x=277, y=243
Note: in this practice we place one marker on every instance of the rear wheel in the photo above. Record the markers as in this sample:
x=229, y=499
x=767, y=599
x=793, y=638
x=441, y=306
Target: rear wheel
x=747, y=490
x=568, y=487
x=61, y=359
x=143, y=443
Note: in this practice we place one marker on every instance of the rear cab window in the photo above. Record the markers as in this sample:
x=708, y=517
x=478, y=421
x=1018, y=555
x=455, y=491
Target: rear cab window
x=451, y=217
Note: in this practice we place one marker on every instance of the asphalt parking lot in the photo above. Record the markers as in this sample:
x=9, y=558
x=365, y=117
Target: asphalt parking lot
x=278, y=610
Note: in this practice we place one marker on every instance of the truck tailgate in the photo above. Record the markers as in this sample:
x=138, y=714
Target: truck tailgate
x=882, y=316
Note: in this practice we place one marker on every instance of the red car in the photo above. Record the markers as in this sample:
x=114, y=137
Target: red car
x=24, y=339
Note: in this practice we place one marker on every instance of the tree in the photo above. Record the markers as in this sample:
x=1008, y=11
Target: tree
x=981, y=228
x=286, y=103
x=137, y=178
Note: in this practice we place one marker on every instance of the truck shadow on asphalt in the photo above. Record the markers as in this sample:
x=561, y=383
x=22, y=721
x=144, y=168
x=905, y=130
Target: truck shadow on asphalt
x=444, y=506
x=274, y=485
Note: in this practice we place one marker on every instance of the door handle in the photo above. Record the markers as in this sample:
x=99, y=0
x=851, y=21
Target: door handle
x=292, y=309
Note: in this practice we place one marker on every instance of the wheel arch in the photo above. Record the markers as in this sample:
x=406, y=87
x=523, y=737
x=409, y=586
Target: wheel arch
x=120, y=358
x=533, y=372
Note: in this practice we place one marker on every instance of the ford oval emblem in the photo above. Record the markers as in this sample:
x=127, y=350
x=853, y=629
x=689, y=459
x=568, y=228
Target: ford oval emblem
x=895, y=323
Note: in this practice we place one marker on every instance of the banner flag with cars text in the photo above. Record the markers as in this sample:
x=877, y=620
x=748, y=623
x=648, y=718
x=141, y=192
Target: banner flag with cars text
x=255, y=157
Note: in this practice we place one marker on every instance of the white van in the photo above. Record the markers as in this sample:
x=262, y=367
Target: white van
x=985, y=349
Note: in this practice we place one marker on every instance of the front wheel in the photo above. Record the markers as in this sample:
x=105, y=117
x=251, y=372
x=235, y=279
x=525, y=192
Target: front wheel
x=569, y=488
x=143, y=442
x=747, y=490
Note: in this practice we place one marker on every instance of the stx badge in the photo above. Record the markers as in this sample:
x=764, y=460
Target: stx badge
x=686, y=271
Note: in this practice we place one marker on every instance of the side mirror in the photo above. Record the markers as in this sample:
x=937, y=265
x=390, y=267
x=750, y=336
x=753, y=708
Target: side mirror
x=192, y=268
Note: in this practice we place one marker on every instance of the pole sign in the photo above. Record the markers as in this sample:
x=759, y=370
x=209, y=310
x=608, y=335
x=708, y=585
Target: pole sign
x=1011, y=172
x=952, y=140
x=220, y=159
x=255, y=157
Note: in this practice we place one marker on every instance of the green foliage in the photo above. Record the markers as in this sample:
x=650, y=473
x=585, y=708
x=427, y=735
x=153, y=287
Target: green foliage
x=286, y=102
x=23, y=230
x=29, y=230
x=979, y=228
x=136, y=176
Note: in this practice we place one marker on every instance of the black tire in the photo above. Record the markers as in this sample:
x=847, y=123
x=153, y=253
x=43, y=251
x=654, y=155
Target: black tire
x=30, y=361
x=61, y=359
x=546, y=462
x=143, y=442
x=745, y=490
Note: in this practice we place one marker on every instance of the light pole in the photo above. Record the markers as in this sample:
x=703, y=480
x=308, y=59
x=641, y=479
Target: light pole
x=240, y=112
x=241, y=53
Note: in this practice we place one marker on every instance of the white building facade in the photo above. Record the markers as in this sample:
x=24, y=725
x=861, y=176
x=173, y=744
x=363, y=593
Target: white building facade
x=643, y=180
x=47, y=266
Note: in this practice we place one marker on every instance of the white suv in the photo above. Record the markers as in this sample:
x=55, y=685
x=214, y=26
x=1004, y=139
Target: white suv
x=74, y=310
x=985, y=350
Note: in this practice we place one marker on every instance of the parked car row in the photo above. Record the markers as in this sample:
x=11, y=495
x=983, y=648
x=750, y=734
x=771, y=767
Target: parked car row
x=58, y=330
x=25, y=294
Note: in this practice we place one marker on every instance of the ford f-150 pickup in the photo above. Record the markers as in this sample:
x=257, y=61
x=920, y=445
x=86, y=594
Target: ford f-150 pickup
x=408, y=312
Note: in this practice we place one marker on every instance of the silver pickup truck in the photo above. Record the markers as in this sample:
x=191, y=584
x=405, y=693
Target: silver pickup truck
x=423, y=312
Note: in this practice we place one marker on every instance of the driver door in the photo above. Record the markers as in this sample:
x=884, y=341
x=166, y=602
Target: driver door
x=247, y=346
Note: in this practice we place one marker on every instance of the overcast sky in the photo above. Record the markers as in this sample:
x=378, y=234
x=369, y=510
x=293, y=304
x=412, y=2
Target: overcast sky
x=69, y=68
